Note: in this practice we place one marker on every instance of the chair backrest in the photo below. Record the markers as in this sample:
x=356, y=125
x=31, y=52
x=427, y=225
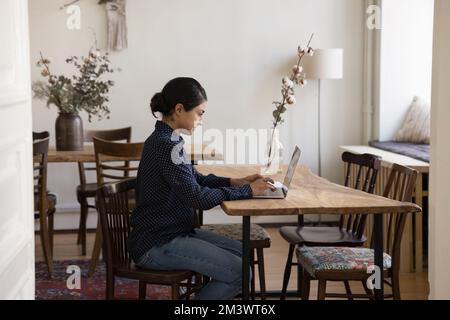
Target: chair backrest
x=400, y=187
x=40, y=159
x=122, y=134
x=40, y=135
x=114, y=170
x=366, y=167
x=114, y=209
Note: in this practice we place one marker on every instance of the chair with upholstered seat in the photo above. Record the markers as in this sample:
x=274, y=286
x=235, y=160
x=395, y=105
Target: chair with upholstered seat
x=349, y=233
x=259, y=239
x=351, y=264
x=87, y=190
x=115, y=210
x=44, y=201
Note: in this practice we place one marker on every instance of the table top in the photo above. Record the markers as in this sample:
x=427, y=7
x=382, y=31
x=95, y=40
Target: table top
x=308, y=194
x=388, y=158
x=196, y=152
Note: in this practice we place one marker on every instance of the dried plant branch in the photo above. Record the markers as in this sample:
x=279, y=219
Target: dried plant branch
x=297, y=77
x=85, y=91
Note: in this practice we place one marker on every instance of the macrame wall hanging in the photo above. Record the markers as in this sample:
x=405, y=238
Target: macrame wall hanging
x=117, y=23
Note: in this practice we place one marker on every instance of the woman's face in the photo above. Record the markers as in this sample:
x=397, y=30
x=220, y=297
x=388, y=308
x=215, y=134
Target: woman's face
x=189, y=120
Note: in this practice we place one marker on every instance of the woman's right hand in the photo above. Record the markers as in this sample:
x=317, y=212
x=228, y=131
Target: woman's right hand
x=261, y=185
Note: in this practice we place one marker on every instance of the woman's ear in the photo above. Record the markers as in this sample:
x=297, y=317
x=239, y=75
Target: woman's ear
x=179, y=108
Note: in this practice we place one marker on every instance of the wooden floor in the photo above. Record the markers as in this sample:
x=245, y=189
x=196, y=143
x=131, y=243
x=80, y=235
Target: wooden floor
x=414, y=286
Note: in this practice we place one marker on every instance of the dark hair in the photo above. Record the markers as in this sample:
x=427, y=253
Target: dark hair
x=186, y=91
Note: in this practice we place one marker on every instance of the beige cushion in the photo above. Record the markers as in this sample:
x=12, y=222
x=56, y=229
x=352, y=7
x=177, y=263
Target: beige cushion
x=416, y=128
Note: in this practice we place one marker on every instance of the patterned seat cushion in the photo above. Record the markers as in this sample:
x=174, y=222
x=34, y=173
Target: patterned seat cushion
x=318, y=259
x=234, y=231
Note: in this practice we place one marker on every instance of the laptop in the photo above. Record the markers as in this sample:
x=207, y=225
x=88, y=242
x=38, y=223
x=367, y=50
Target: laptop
x=283, y=188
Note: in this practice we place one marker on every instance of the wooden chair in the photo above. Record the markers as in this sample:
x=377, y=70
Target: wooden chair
x=87, y=190
x=44, y=202
x=351, y=264
x=113, y=201
x=111, y=171
x=349, y=233
x=40, y=135
x=259, y=239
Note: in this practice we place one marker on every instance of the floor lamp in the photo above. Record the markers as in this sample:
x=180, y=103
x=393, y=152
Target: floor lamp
x=324, y=64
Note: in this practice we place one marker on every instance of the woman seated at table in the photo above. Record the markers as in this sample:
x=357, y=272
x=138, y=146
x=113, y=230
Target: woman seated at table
x=164, y=234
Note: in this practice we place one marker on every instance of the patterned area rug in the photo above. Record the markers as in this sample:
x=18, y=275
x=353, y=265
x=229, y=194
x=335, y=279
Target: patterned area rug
x=92, y=288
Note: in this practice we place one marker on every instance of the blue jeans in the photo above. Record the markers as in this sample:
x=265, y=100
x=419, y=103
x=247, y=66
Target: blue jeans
x=207, y=253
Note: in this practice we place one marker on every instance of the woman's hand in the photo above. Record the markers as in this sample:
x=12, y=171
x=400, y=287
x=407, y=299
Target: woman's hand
x=249, y=180
x=261, y=185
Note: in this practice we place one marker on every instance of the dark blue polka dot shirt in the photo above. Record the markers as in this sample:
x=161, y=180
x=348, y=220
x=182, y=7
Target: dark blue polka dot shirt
x=168, y=190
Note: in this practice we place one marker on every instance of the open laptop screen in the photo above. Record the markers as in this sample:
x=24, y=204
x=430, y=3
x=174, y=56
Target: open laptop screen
x=291, y=169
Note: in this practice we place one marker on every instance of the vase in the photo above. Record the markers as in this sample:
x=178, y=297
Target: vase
x=69, y=132
x=275, y=148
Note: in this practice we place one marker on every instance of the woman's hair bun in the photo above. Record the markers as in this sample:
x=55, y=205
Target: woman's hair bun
x=158, y=104
x=185, y=91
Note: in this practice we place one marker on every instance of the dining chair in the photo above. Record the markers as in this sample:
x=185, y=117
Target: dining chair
x=351, y=264
x=259, y=240
x=111, y=171
x=44, y=201
x=113, y=201
x=40, y=135
x=349, y=232
x=87, y=190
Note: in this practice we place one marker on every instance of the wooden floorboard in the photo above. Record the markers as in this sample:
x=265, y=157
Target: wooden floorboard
x=414, y=286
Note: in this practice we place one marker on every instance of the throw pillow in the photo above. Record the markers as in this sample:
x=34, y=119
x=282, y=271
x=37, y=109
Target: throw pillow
x=416, y=128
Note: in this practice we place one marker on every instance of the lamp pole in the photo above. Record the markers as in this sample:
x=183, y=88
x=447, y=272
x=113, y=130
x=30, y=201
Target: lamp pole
x=324, y=64
x=319, y=155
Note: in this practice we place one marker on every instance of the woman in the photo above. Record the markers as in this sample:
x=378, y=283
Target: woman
x=164, y=234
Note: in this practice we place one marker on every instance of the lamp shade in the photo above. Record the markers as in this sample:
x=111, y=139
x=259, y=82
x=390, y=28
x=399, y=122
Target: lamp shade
x=324, y=64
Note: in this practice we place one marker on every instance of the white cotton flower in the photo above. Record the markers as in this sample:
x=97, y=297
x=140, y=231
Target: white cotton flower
x=302, y=82
x=290, y=99
x=310, y=52
x=297, y=69
x=288, y=82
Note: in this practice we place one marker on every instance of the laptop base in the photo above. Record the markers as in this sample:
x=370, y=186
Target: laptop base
x=269, y=194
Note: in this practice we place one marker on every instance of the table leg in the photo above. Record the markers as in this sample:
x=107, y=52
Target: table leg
x=378, y=253
x=245, y=257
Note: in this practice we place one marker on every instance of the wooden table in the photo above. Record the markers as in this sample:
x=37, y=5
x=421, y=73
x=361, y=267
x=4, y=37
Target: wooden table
x=196, y=152
x=308, y=194
x=412, y=245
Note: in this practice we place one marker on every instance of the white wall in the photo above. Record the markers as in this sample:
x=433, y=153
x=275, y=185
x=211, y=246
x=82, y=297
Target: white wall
x=439, y=259
x=239, y=51
x=406, y=58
